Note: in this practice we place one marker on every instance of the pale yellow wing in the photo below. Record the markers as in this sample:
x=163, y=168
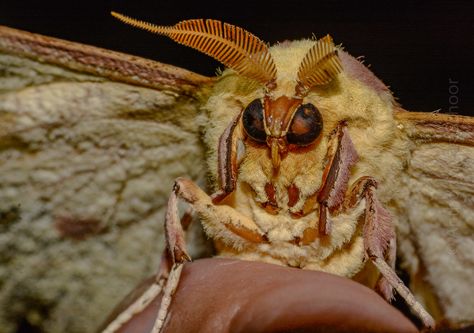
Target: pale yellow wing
x=437, y=213
x=90, y=142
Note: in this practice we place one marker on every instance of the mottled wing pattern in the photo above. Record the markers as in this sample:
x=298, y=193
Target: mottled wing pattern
x=437, y=215
x=90, y=142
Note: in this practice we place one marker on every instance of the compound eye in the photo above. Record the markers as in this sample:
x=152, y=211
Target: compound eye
x=253, y=121
x=306, y=125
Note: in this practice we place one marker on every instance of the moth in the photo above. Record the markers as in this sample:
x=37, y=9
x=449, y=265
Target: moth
x=313, y=164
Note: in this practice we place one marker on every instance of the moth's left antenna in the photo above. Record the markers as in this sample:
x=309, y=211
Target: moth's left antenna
x=233, y=46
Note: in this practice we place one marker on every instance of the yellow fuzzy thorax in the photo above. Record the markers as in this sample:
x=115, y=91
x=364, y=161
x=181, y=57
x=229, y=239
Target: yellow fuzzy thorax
x=345, y=99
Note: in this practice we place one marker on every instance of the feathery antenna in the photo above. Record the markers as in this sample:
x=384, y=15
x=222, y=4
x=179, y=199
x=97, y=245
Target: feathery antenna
x=320, y=65
x=234, y=47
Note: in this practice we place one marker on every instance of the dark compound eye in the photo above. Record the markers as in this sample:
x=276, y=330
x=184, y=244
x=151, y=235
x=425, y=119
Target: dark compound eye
x=253, y=121
x=306, y=125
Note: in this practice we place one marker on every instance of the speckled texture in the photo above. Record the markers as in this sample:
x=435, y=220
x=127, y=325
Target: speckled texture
x=438, y=235
x=86, y=166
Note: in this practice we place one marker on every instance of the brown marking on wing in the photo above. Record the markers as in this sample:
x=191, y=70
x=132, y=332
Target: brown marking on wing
x=77, y=228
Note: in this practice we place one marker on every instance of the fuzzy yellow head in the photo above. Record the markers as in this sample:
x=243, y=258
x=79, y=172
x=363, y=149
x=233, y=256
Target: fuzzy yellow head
x=289, y=124
x=300, y=136
x=282, y=199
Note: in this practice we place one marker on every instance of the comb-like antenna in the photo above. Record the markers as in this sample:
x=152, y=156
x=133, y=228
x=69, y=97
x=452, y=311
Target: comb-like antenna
x=320, y=65
x=232, y=46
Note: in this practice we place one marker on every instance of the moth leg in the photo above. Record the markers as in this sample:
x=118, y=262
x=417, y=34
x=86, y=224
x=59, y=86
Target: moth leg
x=394, y=280
x=202, y=204
x=380, y=247
x=169, y=270
x=383, y=285
x=341, y=157
x=224, y=219
x=229, y=153
x=141, y=303
x=176, y=246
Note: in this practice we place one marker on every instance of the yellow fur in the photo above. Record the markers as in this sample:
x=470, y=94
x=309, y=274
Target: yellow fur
x=379, y=149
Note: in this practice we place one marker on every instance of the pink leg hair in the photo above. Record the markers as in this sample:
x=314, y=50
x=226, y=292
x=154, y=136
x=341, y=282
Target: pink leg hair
x=167, y=276
x=342, y=156
x=176, y=246
x=379, y=243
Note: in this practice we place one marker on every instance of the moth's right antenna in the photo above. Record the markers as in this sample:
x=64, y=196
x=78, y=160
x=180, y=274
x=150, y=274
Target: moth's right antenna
x=320, y=65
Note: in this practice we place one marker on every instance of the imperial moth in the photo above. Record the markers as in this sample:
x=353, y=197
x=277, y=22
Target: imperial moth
x=110, y=115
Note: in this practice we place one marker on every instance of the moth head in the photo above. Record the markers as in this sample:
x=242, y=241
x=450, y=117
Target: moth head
x=282, y=122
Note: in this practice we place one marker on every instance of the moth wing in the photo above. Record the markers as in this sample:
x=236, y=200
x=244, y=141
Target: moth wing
x=437, y=214
x=90, y=143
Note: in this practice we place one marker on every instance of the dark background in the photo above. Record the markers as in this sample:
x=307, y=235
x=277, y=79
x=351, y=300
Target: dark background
x=414, y=47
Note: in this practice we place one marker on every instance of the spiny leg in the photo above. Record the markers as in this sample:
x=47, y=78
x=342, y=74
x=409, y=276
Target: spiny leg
x=142, y=302
x=383, y=286
x=170, y=271
x=178, y=255
x=379, y=244
x=397, y=283
x=228, y=156
x=341, y=157
x=379, y=233
x=138, y=306
x=225, y=218
x=229, y=153
x=166, y=272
